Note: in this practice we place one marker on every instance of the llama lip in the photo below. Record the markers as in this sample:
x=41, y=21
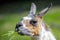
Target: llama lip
x=20, y=33
x=25, y=33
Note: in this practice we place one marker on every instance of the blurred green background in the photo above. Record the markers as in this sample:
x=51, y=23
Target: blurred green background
x=12, y=11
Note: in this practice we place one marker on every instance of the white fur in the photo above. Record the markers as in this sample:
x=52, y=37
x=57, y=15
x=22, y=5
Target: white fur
x=45, y=34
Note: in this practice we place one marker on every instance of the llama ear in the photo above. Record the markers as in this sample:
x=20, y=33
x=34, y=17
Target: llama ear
x=43, y=12
x=33, y=9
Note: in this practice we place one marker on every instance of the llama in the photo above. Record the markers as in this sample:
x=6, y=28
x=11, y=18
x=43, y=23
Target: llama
x=33, y=25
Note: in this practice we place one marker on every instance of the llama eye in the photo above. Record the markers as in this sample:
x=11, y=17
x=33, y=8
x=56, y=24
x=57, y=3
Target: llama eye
x=33, y=22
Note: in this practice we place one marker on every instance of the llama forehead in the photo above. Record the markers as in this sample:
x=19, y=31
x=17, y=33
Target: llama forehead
x=36, y=17
x=27, y=18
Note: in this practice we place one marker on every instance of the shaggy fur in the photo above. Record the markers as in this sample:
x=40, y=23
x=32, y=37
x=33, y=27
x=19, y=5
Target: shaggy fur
x=34, y=26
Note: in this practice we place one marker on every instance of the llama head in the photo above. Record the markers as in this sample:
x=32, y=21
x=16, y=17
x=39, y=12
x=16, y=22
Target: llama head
x=31, y=24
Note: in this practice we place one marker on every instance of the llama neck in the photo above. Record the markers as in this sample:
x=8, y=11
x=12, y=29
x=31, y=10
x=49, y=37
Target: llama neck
x=41, y=30
x=44, y=34
x=40, y=34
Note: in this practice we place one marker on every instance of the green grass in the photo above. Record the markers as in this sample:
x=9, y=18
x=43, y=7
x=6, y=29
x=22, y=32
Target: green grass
x=8, y=23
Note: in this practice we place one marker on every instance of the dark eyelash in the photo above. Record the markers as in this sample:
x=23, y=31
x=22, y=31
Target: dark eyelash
x=33, y=22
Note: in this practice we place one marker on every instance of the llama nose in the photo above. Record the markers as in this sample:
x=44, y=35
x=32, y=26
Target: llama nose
x=17, y=26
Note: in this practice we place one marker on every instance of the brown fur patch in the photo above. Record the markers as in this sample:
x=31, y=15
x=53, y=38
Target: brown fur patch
x=34, y=30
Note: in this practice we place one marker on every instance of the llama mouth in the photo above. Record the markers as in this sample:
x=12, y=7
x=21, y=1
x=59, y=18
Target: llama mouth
x=25, y=33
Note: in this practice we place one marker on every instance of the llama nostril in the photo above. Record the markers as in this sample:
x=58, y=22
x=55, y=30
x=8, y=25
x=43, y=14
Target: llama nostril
x=17, y=26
